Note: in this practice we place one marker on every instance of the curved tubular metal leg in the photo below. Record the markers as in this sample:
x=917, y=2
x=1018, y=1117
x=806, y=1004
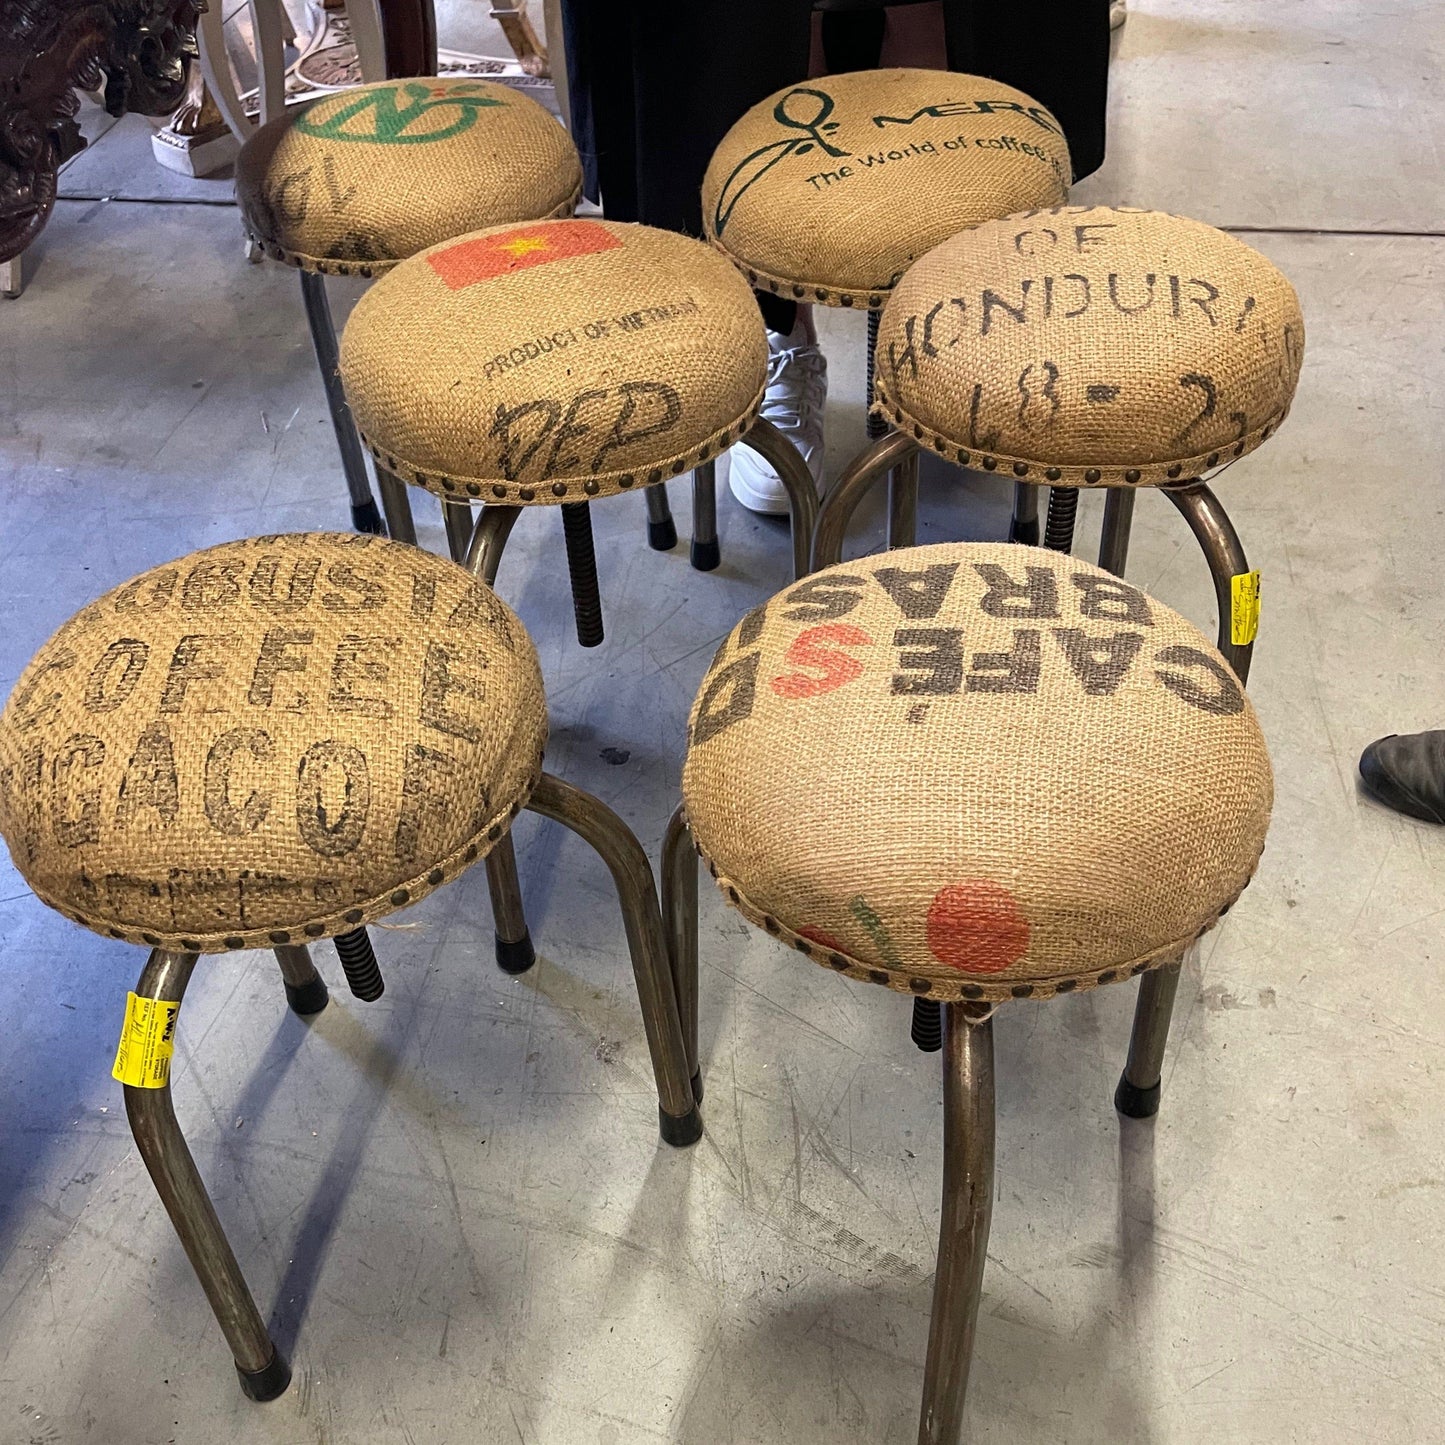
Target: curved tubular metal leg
x=514, y=942
x=364, y=516
x=1225, y=554
x=1140, y=1084
x=770, y=444
x=1024, y=524
x=614, y=842
x=968, y=1127
x=489, y=537
x=305, y=988
x=661, y=529
x=399, y=524
x=903, y=503
x=1114, y=540
x=264, y=1373
x=705, y=551
x=864, y=472
x=457, y=517
x=679, y=915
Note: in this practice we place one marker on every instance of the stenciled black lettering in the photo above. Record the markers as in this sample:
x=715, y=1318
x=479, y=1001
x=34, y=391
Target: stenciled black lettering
x=78, y=754
x=727, y=699
x=350, y=665
x=1036, y=596
x=428, y=802
x=1099, y=663
x=930, y=661
x=823, y=599
x=919, y=593
x=439, y=681
x=624, y=432
x=275, y=658
x=211, y=586
x=266, y=592
x=1143, y=305
x=150, y=781
x=370, y=593
x=332, y=832
x=517, y=450
x=991, y=301
x=223, y=814
x=149, y=594
x=187, y=668
x=1223, y=700
x=1013, y=671
x=1108, y=599
x=104, y=691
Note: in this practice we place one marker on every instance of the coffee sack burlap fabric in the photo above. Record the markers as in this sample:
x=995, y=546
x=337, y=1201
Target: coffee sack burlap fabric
x=269, y=741
x=356, y=181
x=977, y=771
x=1091, y=346
x=828, y=191
x=554, y=362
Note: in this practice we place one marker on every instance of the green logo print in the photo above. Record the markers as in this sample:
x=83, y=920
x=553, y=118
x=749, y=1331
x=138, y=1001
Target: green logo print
x=434, y=113
x=815, y=129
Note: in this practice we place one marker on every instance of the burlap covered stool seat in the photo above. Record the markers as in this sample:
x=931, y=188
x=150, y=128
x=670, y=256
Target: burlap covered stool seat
x=272, y=742
x=555, y=363
x=359, y=180
x=354, y=182
x=972, y=773
x=1088, y=347
x=828, y=191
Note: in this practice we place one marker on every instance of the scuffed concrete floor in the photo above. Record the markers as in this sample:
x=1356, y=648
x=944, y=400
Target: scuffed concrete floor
x=453, y=1203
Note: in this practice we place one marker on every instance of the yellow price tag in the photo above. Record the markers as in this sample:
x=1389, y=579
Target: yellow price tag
x=147, y=1040
x=1244, y=608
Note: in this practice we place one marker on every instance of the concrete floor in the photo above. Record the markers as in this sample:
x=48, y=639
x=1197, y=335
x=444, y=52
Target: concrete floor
x=453, y=1203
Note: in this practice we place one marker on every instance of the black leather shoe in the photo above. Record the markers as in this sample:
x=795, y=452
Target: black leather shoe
x=1408, y=774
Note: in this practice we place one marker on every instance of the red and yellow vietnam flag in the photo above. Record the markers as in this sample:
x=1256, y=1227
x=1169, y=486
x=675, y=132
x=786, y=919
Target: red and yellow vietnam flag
x=504, y=252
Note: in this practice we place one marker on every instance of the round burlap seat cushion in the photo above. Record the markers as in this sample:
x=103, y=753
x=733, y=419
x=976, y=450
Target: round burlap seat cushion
x=554, y=362
x=1091, y=346
x=269, y=741
x=356, y=181
x=976, y=771
x=828, y=191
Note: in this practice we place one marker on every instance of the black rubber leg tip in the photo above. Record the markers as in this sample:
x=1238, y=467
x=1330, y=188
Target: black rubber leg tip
x=366, y=518
x=266, y=1383
x=308, y=998
x=706, y=556
x=680, y=1130
x=1134, y=1102
x=662, y=536
x=1027, y=533
x=697, y=1087
x=516, y=956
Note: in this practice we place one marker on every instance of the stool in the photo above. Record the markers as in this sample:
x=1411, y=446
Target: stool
x=553, y=364
x=827, y=192
x=273, y=742
x=972, y=773
x=1090, y=347
x=355, y=181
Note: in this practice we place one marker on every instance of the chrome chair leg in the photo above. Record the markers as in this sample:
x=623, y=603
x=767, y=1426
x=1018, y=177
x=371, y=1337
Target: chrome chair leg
x=364, y=516
x=616, y=845
x=305, y=988
x=1225, y=554
x=903, y=503
x=968, y=1139
x=679, y=916
x=399, y=524
x=706, y=554
x=1137, y=1095
x=1024, y=524
x=457, y=517
x=263, y=1371
x=489, y=538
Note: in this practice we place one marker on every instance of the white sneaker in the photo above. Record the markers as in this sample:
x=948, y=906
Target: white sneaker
x=1118, y=13
x=796, y=394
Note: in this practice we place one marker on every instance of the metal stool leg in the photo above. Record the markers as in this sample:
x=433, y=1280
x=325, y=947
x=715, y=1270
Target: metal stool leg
x=863, y=473
x=1140, y=1083
x=1222, y=550
x=305, y=988
x=399, y=524
x=770, y=444
x=489, y=538
x=661, y=529
x=264, y=1373
x=968, y=1129
x=458, y=519
x=903, y=479
x=1024, y=524
x=679, y=916
x=616, y=845
x=515, y=953
x=364, y=516
x=1114, y=540
x=705, y=551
